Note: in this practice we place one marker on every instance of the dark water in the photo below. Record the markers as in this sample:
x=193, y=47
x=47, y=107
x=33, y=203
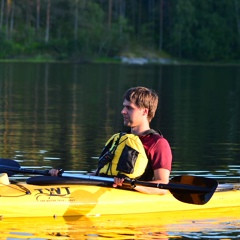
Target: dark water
x=60, y=115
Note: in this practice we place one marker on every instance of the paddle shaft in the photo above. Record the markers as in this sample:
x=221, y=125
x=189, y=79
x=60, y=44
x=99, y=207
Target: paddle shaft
x=169, y=186
x=24, y=170
x=133, y=182
x=188, y=189
x=201, y=188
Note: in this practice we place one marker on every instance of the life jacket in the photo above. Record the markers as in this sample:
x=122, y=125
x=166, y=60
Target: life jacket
x=123, y=155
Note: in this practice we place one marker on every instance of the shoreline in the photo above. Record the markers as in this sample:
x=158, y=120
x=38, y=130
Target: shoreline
x=118, y=60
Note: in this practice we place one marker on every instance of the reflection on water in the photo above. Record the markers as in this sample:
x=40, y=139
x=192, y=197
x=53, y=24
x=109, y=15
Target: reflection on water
x=117, y=227
x=60, y=115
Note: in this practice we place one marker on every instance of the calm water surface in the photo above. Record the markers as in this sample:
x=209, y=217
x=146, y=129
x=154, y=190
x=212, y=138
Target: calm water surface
x=60, y=115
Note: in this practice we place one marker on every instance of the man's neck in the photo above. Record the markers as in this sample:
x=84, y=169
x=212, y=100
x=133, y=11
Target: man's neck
x=139, y=131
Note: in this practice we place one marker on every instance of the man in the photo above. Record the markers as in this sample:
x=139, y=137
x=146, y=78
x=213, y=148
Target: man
x=139, y=107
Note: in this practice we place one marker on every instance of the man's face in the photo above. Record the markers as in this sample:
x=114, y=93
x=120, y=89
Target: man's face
x=132, y=115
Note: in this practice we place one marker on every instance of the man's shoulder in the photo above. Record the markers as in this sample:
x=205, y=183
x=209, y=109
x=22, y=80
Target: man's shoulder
x=155, y=140
x=156, y=135
x=152, y=139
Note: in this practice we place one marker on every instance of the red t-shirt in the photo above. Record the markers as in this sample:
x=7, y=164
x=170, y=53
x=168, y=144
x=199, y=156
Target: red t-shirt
x=158, y=152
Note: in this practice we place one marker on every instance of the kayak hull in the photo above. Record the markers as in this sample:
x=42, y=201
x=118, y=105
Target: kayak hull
x=65, y=200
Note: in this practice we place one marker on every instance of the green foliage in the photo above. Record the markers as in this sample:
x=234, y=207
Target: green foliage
x=202, y=31
x=8, y=49
x=205, y=31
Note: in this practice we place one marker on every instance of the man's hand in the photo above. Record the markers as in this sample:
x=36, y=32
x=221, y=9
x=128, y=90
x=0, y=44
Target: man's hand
x=118, y=181
x=54, y=172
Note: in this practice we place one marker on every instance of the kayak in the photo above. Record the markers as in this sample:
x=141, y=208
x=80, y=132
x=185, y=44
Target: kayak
x=40, y=198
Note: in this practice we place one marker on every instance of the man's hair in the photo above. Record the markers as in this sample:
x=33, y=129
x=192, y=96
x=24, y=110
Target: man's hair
x=143, y=98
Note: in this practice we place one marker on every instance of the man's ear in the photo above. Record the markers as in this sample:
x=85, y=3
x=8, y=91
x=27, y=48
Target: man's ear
x=145, y=112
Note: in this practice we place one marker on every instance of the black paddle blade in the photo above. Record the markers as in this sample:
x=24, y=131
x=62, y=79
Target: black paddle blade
x=197, y=190
x=7, y=164
x=12, y=167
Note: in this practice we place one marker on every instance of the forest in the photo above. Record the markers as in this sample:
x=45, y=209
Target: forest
x=83, y=30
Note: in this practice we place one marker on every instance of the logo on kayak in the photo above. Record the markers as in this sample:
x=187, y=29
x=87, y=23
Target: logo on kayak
x=51, y=194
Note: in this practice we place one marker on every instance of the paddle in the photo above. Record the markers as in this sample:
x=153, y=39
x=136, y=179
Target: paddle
x=188, y=189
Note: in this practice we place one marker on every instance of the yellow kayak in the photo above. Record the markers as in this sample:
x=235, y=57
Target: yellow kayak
x=64, y=200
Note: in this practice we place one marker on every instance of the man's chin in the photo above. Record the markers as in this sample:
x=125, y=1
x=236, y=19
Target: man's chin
x=127, y=124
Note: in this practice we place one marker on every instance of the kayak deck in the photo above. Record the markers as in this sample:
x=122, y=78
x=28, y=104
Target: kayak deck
x=28, y=200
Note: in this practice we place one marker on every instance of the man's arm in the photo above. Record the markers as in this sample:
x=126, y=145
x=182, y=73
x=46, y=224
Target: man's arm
x=161, y=175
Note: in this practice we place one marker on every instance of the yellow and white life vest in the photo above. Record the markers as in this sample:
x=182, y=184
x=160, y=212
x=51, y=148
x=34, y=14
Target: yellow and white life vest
x=128, y=156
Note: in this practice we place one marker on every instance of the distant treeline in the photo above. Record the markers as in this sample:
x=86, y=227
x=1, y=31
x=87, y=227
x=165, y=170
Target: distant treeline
x=196, y=30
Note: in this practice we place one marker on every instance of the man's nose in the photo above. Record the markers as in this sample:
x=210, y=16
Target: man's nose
x=123, y=111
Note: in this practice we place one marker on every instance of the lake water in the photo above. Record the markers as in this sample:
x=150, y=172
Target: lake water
x=60, y=115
